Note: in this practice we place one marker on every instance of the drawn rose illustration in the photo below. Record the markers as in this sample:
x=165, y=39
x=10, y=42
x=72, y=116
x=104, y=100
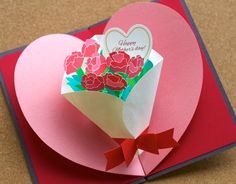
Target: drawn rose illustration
x=118, y=61
x=114, y=81
x=90, y=48
x=116, y=74
x=73, y=62
x=92, y=82
x=96, y=65
x=135, y=66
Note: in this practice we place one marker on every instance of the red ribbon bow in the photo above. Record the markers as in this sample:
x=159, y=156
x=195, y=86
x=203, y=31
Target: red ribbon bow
x=148, y=142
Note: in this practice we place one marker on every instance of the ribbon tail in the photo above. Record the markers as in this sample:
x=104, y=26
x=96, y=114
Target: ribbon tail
x=129, y=149
x=153, y=142
x=124, y=153
x=165, y=139
x=114, y=158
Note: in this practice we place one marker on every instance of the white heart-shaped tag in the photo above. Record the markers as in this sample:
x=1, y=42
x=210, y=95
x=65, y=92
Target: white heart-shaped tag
x=138, y=41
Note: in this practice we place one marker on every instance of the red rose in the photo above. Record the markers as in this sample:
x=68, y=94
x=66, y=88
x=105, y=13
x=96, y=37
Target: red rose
x=118, y=61
x=135, y=66
x=96, y=65
x=92, y=82
x=114, y=81
x=73, y=62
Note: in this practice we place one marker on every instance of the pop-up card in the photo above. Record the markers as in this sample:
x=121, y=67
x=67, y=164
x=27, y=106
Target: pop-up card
x=124, y=100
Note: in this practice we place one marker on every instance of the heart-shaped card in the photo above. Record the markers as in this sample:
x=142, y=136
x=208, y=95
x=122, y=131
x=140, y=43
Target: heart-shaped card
x=66, y=130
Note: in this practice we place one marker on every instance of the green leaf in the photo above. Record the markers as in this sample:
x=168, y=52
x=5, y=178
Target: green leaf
x=110, y=71
x=70, y=79
x=124, y=75
x=73, y=83
x=110, y=91
x=117, y=93
x=77, y=78
x=80, y=87
x=147, y=66
x=131, y=82
x=125, y=93
x=103, y=90
x=80, y=72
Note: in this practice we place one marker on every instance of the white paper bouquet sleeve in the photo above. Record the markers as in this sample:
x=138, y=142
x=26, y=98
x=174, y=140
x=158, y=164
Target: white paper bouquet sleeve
x=116, y=92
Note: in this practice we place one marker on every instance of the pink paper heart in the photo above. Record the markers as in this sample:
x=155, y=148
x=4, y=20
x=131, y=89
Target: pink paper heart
x=181, y=79
x=62, y=127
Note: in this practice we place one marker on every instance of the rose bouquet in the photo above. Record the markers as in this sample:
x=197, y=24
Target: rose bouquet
x=116, y=75
x=114, y=90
